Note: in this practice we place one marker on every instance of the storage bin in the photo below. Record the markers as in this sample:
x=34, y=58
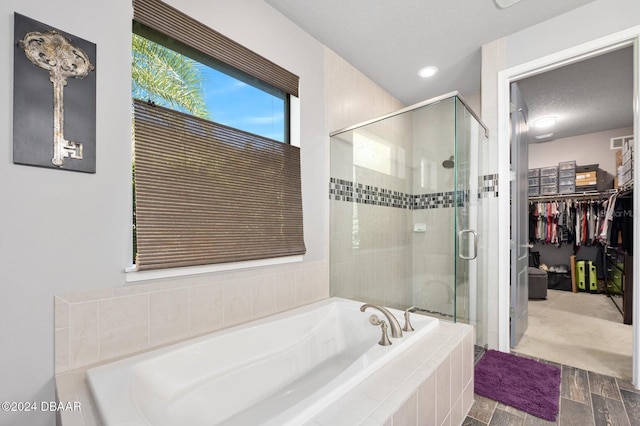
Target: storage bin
x=567, y=165
x=586, y=178
x=548, y=171
x=567, y=181
x=534, y=173
x=548, y=180
x=567, y=174
x=534, y=190
x=567, y=189
x=559, y=281
x=534, y=181
x=549, y=190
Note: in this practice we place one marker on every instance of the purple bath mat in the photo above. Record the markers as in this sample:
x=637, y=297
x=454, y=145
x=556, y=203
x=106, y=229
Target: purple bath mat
x=522, y=383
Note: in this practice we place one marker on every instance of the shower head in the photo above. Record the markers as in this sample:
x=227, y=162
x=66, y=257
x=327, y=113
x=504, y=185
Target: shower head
x=448, y=164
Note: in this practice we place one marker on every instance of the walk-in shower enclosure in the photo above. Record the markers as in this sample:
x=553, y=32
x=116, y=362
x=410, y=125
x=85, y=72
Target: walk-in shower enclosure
x=405, y=194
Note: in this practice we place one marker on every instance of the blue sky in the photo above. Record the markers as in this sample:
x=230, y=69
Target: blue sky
x=237, y=104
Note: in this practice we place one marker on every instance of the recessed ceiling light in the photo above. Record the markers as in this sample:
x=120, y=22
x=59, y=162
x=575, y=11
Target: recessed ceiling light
x=545, y=136
x=545, y=122
x=427, y=72
x=506, y=3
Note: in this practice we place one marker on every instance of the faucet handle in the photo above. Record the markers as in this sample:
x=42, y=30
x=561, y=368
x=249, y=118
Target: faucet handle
x=384, y=339
x=407, y=323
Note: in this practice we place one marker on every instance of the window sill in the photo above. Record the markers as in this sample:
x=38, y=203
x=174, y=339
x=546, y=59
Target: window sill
x=131, y=275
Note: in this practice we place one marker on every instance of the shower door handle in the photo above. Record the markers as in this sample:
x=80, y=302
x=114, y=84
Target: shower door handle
x=475, y=244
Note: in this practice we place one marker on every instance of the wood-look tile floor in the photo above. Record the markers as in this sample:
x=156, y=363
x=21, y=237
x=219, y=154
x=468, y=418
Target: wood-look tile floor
x=586, y=398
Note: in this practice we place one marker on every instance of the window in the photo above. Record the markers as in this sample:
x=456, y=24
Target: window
x=211, y=186
x=196, y=84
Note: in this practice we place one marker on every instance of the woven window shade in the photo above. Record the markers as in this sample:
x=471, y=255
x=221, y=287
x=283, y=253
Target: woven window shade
x=175, y=24
x=207, y=193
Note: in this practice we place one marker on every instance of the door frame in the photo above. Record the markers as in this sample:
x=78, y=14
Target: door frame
x=629, y=37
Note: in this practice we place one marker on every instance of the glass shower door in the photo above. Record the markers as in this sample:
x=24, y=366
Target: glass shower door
x=466, y=213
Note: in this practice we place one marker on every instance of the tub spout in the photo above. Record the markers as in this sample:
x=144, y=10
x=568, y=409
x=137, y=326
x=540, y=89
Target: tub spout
x=396, y=330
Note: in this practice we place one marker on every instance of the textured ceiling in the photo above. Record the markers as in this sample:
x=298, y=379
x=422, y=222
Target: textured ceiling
x=590, y=96
x=389, y=41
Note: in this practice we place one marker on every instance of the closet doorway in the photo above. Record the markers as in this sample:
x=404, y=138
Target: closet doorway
x=580, y=214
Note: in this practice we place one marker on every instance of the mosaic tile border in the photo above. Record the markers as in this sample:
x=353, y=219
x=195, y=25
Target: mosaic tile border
x=439, y=200
x=344, y=190
x=488, y=186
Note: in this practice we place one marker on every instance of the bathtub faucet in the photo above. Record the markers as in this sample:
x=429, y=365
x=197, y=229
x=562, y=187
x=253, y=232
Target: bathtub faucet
x=396, y=330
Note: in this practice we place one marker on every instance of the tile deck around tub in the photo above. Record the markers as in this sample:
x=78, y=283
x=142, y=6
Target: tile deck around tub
x=586, y=399
x=402, y=392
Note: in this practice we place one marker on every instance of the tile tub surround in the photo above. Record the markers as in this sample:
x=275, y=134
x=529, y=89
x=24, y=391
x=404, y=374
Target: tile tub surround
x=93, y=327
x=431, y=383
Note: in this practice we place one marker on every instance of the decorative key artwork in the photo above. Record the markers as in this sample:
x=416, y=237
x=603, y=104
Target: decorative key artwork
x=54, y=98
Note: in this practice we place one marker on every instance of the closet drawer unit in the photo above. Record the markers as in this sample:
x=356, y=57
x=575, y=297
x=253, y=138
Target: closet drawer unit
x=615, y=277
x=534, y=181
x=565, y=181
x=548, y=171
x=567, y=165
x=534, y=191
x=548, y=189
x=549, y=180
x=567, y=174
x=534, y=173
x=567, y=189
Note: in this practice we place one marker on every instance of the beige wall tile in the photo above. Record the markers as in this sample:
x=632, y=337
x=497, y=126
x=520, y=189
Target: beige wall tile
x=237, y=301
x=84, y=342
x=304, y=286
x=108, y=323
x=124, y=325
x=456, y=414
x=137, y=288
x=61, y=348
x=457, y=369
x=263, y=296
x=467, y=358
x=321, y=282
x=443, y=387
x=467, y=398
x=285, y=291
x=168, y=316
x=206, y=306
x=86, y=296
x=123, y=312
x=427, y=401
x=407, y=414
x=61, y=313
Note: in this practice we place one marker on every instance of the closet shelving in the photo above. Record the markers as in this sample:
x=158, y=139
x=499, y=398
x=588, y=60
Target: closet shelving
x=586, y=195
x=618, y=264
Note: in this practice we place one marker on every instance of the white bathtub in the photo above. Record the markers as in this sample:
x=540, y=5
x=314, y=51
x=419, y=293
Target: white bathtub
x=280, y=370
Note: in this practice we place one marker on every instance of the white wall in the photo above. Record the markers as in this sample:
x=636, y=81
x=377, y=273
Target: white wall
x=592, y=148
x=591, y=21
x=61, y=231
x=64, y=232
